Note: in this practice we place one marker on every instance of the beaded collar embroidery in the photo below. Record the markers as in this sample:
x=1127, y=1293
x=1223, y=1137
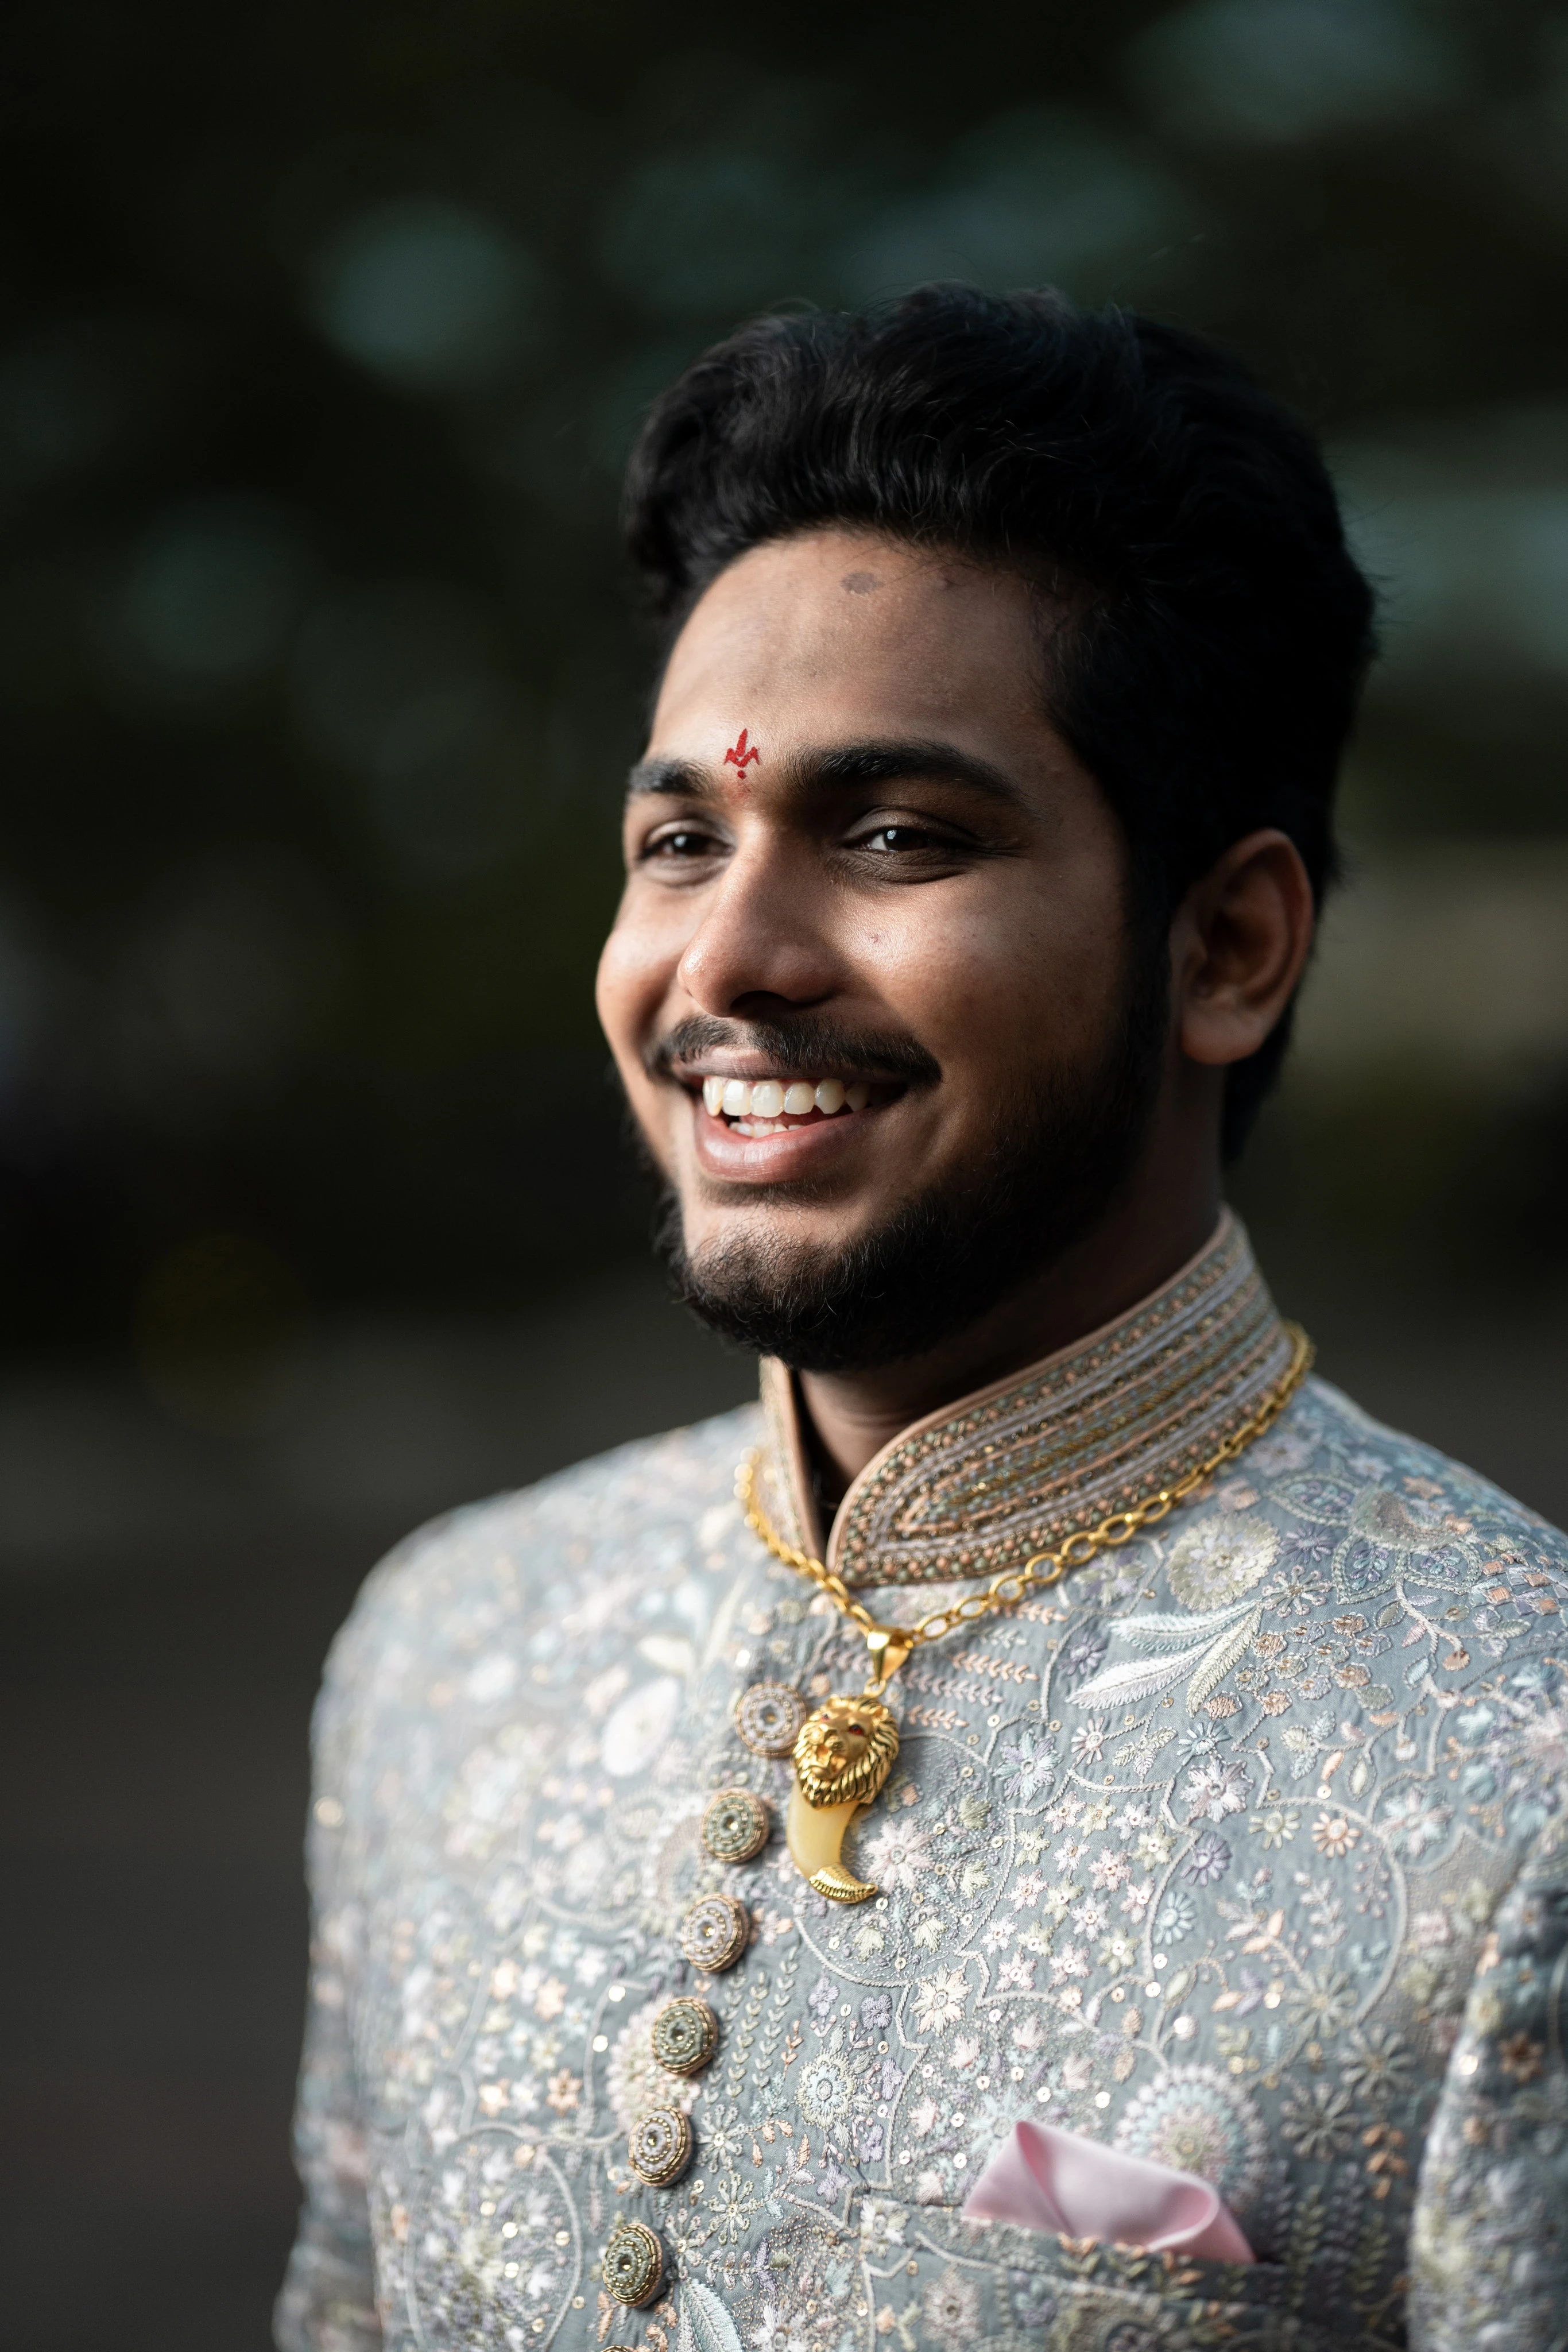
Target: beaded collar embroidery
x=1013, y=1468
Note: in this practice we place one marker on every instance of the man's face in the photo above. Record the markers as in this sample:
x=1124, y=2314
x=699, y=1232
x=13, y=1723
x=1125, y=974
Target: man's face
x=865, y=873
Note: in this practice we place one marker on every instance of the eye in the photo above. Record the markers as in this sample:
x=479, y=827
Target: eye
x=888, y=839
x=678, y=842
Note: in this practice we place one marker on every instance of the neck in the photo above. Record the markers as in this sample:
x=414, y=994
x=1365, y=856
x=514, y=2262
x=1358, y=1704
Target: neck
x=1140, y=1244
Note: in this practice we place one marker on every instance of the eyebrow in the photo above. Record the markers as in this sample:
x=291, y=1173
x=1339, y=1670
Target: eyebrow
x=680, y=779
x=876, y=761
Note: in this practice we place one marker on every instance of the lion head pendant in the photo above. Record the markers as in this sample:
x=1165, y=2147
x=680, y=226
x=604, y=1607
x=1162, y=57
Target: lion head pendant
x=845, y=1751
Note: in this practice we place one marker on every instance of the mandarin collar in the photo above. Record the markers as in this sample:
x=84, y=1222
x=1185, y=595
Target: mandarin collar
x=1015, y=1467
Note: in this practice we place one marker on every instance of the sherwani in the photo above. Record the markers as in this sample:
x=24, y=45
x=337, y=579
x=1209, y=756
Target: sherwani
x=1243, y=1850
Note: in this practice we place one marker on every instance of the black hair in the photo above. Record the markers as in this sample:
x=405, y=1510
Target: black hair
x=1218, y=629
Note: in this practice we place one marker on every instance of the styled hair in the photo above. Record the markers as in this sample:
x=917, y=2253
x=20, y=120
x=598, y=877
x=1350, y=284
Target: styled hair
x=1217, y=629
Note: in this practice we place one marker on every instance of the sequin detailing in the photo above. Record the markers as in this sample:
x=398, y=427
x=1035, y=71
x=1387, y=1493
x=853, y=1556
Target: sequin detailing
x=769, y=1718
x=685, y=2036
x=715, y=1932
x=1094, y=1429
x=1239, y=1850
x=660, y=2146
x=736, y=1825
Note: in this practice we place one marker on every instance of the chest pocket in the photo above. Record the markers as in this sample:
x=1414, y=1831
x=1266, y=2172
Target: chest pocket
x=948, y=2284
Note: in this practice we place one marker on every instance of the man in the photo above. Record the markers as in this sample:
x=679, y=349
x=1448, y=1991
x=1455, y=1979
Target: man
x=972, y=868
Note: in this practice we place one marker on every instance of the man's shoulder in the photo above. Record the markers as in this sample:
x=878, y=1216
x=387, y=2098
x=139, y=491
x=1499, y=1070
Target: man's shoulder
x=1329, y=1460
x=1341, y=1562
x=459, y=1575
x=1383, y=1538
x=1376, y=1619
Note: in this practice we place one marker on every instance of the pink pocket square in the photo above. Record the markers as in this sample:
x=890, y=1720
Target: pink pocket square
x=1041, y=2178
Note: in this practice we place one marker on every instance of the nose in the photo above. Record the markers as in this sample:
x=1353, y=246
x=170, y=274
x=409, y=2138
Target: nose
x=761, y=943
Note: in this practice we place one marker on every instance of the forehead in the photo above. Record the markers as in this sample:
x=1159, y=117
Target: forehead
x=849, y=620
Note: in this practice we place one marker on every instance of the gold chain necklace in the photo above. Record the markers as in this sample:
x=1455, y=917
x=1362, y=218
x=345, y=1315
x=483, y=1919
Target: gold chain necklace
x=845, y=1751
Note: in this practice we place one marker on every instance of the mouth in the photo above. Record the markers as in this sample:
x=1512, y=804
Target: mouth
x=785, y=1103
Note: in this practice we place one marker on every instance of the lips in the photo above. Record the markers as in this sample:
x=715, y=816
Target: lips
x=779, y=1124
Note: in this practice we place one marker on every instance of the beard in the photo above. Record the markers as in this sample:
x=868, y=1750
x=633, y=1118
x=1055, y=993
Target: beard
x=1040, y=1179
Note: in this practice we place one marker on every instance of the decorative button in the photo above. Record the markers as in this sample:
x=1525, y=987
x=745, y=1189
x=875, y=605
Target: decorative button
x=736, y=1825
x=660, y=2147
x=769, y=1718
x=685, y=2035
x=633, y=2264
x=715, y=1932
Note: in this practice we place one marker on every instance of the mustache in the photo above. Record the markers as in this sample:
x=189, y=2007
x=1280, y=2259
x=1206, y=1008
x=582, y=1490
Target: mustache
x=822, y=1046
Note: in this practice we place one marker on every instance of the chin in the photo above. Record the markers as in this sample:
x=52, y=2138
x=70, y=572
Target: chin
x=849, y=1303
x=789, y=1236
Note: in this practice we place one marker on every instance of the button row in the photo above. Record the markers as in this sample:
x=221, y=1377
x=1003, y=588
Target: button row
x=714, y=1933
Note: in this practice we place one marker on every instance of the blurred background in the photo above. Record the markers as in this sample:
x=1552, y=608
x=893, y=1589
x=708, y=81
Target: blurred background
x=325, y=333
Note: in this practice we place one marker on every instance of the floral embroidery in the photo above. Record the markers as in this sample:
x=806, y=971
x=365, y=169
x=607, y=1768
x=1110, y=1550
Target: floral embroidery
x=896, y=1855
x=1319, y=2121
x=1413, y=1821
x=1208, y=1861
x=1237, y=1849
x=951, y=2309
x=1215, y=1788
x=1217, y=1561
x=1195, y=2119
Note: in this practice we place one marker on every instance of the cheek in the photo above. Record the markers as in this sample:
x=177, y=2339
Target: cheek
x=633, y=972
x=1006, y=977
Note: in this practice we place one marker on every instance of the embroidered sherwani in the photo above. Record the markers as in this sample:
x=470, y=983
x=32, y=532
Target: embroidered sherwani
x=1241, y=1850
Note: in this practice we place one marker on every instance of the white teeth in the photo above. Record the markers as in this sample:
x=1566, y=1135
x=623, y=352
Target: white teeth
x=766, y=1098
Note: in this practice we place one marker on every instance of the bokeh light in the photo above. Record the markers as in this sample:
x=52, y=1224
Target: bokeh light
x=211, y=593
x=426, y=292
x=1273, y=71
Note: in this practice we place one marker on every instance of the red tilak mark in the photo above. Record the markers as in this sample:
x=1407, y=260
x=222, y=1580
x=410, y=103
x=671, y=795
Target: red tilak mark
x=738, y=756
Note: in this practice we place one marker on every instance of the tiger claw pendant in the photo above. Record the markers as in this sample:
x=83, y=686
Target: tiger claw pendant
x=814, y=1834
x=842, y=1757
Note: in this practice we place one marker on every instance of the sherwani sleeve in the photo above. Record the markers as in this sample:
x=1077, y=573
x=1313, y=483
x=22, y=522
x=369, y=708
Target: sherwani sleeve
x=328, y=2302
x=1489, y=2236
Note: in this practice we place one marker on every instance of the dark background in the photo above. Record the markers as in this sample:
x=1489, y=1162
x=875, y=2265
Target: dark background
x=325, y=332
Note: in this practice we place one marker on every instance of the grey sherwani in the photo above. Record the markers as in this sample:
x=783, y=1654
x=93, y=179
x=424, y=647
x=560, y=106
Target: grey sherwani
x=1243, y=1850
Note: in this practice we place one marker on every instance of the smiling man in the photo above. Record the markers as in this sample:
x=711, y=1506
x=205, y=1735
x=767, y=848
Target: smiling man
x=885, y=1012
x=1062, y=1849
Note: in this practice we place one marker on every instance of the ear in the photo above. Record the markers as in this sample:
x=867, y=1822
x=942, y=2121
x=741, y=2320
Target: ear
x=1239, y=945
